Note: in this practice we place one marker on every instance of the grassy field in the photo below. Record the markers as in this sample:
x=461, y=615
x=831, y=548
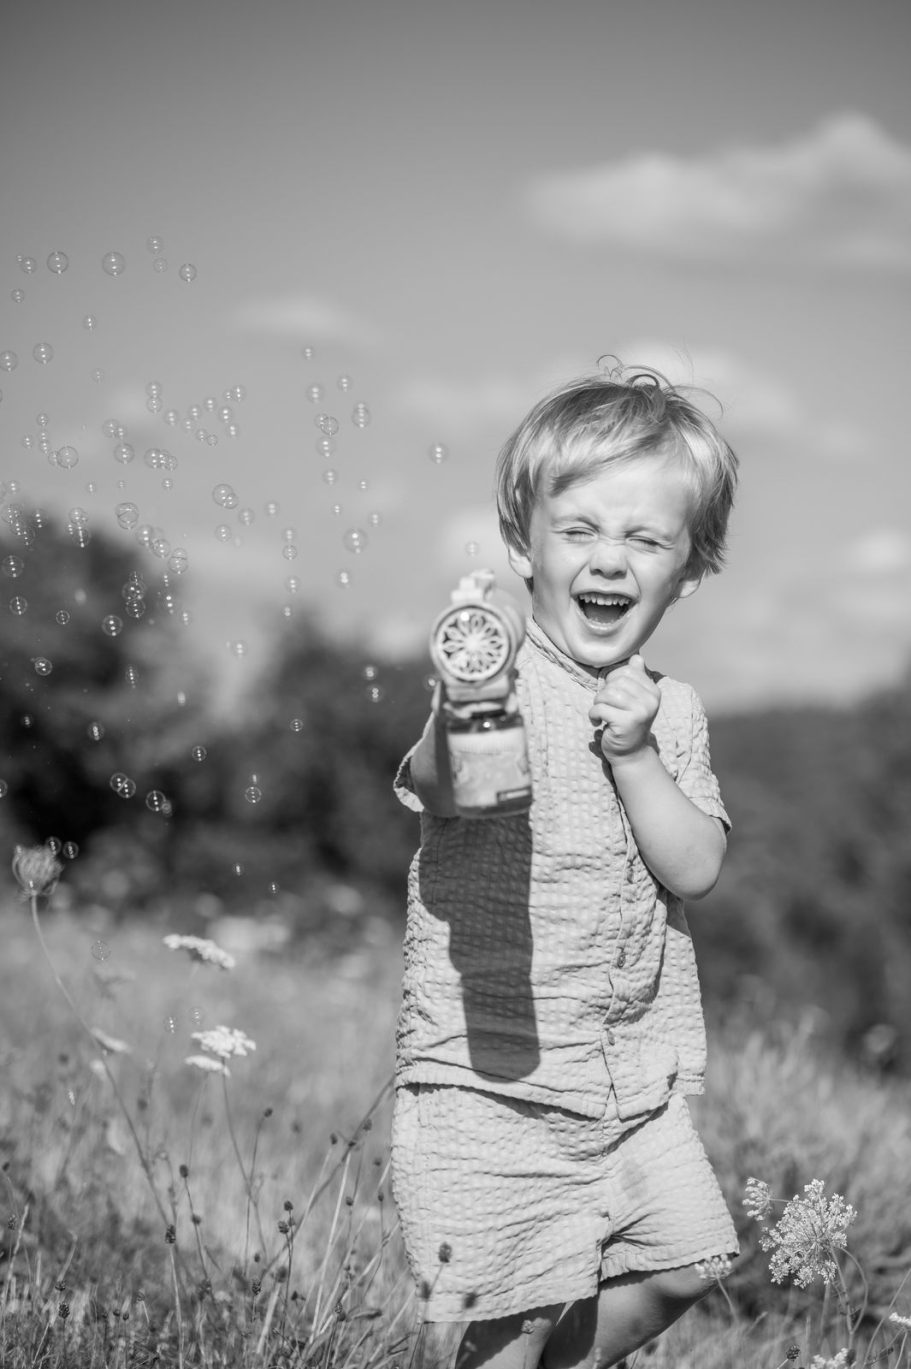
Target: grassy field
x=157, y=1213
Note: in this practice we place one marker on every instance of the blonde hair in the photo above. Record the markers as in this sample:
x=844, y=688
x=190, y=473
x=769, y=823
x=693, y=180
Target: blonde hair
x=627, y=413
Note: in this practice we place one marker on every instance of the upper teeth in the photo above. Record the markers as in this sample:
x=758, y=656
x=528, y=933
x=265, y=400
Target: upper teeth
x=614, y=600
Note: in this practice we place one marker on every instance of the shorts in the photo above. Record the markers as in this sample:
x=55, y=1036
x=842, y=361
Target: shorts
x=506, y=1206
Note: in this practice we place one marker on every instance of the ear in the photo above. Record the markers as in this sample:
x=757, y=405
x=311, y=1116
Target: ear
x=687, y=586
x=520, y=562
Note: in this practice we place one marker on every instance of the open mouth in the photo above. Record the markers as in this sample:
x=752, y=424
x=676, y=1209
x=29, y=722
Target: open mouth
x=604, y=610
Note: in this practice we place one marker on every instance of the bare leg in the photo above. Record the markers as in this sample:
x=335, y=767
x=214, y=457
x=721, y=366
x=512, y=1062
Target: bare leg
x=508, y=1342
x=627, y=1312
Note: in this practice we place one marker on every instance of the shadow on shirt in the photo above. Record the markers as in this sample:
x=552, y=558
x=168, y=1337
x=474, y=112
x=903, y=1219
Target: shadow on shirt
x=478, y=881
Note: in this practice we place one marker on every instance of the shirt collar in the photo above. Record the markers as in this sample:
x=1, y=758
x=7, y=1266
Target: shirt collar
x=542, y=643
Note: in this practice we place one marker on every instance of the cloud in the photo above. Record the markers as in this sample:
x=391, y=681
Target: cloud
x=449, y=406
x=303, y=318
x=839, y=196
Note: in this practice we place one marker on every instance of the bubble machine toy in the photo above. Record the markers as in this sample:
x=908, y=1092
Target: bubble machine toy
x=473, y=647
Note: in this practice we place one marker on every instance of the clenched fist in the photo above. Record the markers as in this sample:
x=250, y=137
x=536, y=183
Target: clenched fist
x=625, y=708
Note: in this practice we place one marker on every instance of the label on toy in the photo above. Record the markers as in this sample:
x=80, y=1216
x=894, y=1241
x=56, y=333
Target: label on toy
x=490, y=773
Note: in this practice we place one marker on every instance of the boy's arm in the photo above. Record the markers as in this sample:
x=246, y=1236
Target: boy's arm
x=681, y=845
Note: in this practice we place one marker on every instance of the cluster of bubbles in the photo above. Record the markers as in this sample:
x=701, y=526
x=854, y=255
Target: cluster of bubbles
x=125, y=788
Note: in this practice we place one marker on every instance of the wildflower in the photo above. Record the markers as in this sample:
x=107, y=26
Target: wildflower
x=444, y=1254
x=37, y=869
x=757, y=1199
x=111, y=1044
x=793, y=1352
x=900, y=1320
x=807, y=1236
x=224, y=1042
x=715, y=1269
x=839, y=1361
x=200, y=948
x=207, y=1063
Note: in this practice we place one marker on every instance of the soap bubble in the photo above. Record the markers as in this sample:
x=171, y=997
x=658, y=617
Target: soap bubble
x=4, y=789
x=111, y=625
x=100, y=950
x=315, y=393
x=343, y=579
x=98, y=375
x=199, y=753
x=355, y=540
x=17, y=296
x=375, y=693
x=293, y=584
x=18, y=605
x=58, y=262
x=157, y=802
x=325, y=446
x=330, y=476
x=238, y=648
x=232, y=429
x=89, y=323
x=131, y=676
x=66, y=458
x=335, y=510
x=210, y=404
x=13, y=566
x=360, y=416
x=344, y=382
x=297, y=724
x=114, y=263
x=178, y=561
x=289, y=552
x=79, y=517
x=171, y=417
x=27, y=264
x=270, y=509
x=307, y=353
x=122, y=785
x=159, y=459
x=42, y=665
x=289, y=534
x=155, y=245
x=374, y=519
x=187, y=272
x=246, y=517
x=8, y=361
x=62, y=617
x=438, y=453
x=253, y=793
x=472, y=549
x=225, y=497
x=237, y=394
x=327, y=424
x=223, y=533
x=124, y=453
x=43, y=352
x=94, y=732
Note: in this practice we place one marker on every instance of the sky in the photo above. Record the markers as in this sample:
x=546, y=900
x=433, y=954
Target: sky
x=435, y=213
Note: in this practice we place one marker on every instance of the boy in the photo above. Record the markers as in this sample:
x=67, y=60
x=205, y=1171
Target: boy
x=556, y=1204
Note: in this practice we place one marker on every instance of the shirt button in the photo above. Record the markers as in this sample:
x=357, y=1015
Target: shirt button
x=621, y=958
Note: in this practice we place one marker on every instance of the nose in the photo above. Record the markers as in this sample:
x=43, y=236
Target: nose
x=608, y=557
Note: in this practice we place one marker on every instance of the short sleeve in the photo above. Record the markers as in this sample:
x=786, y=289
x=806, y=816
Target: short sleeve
x=695, y=775
x=402, y=785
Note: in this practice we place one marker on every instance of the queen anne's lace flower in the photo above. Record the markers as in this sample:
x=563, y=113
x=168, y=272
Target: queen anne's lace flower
x=207, y=1063
x=715, y=1269
x=757, y=1199
x=37, y=869
x=806, y=1237
x=839, y=1361
x=224, y=1042
x=199, y=948
x=899, y=1320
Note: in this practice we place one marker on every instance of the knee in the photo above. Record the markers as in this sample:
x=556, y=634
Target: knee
x=680, y=1287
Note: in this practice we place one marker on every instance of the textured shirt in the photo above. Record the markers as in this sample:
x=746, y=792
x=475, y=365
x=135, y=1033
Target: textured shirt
x=543, y=961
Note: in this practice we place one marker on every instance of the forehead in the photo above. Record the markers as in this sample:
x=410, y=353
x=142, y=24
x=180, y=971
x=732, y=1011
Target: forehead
x=653, y=487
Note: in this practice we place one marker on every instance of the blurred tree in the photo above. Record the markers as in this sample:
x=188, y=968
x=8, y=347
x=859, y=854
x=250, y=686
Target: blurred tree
x=94, y=680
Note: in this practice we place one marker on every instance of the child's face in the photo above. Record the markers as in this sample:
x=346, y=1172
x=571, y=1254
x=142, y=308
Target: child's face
x=607, y=557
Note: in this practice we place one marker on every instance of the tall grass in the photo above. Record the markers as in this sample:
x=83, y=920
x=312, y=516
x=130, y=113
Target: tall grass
x=161, y=1215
